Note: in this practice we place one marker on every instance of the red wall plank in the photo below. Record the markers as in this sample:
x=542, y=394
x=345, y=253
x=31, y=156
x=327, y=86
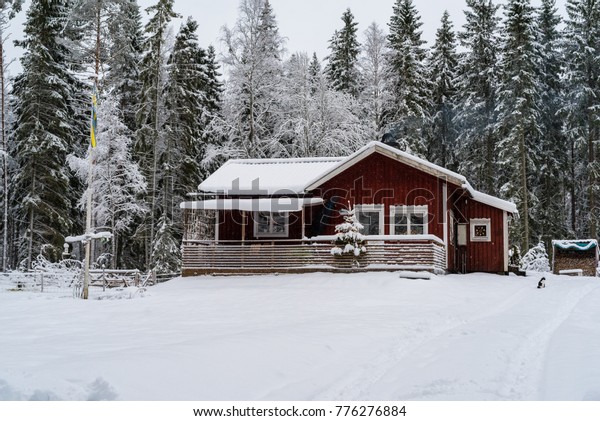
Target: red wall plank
x=378, y=179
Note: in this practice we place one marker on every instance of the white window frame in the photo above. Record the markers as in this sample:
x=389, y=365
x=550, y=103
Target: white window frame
x=487, y=222
x=271, y=234
x=408, y=210
x=372, y=208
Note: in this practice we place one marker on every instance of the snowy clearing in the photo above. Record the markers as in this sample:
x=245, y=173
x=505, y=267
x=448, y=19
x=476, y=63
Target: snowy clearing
x=369, y=336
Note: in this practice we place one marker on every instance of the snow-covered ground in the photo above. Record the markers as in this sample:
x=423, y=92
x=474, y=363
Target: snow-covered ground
x=304, y=337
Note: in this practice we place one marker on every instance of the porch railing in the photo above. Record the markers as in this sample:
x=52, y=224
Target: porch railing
x=202, y=257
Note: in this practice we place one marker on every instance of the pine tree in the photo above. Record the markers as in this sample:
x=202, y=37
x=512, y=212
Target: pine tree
x=375, y=94
x=518, y=112
x=43, y=131
x=408, y=114
x=443, y=66
x=342, y=69
x=213, y=101
x=349, y=239
x=191, y=98
x=8, y=10
x=185, y=99
x=213, y=89
x=117, y=181
x=477, y=82
x=254, y=51
x=151, y=115
x=123, y=78
x=580, y=111
x=166, y=254
x=550, y=216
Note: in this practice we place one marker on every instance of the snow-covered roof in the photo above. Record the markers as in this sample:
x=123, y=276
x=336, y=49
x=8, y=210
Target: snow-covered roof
x=279, y=204
x=492, y=201
x=581, y=245
x=266, y=176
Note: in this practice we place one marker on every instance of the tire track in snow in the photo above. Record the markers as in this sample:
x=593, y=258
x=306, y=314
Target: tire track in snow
x=354, y=385
x=525, y=370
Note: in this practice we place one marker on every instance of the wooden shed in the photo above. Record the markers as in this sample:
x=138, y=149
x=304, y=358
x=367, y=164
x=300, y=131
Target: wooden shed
x=572, y=256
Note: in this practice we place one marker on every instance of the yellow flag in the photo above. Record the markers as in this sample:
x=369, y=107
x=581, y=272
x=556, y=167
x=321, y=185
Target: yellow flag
x=93, y=122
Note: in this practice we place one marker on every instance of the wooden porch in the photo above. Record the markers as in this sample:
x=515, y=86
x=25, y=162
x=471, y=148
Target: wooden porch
x=310, y=255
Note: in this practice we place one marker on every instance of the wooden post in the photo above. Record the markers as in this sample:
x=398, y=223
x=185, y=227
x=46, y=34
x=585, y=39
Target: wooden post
x=303, y=227
x=243, y=226
x=88, y=228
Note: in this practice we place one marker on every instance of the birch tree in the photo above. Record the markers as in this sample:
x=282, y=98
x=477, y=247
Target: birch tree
x=254, y=63
x=375, y=93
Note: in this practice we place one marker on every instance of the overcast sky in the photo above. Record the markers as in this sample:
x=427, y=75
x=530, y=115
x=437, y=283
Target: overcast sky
x=307, y=24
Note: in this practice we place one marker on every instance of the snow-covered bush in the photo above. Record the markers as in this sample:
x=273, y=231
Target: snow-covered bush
x=536, y=259
x=348, y=239
x=514, y=256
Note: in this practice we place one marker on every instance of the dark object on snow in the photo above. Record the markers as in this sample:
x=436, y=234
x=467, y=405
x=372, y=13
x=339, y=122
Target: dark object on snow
x=516, y=271
x=542, y=283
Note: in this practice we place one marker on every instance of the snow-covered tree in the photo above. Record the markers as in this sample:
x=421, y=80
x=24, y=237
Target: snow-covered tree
x=125, y=52
x=254, y=63
x=191, y=99
x=342, y=68
x=315, y=119
x=581, y=108
x=518, y=108
x=375, y=93
x=151, y=114
x=477, y=83
x=186, y=99
x=550, y=215
x=44, y=131
x=348, y=237
x=8, y=9
x=536, y=259
x=166, y=253
x=408, y=113
x=117, y=182
x=443, y=65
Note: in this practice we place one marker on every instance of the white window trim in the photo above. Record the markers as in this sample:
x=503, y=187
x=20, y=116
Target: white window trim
x=284, y=234
x=481, y=221
x=372, y=208
x=406, y=210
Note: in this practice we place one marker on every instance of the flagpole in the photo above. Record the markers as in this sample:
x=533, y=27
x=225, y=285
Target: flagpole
x=88, y=211
x=88, y=228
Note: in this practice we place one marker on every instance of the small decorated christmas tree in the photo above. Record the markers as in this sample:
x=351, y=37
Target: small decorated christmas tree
x=348, y=239
x=536, y=259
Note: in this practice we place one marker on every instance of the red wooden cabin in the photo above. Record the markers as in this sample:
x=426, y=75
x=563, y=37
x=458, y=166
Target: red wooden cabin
x=279, y=215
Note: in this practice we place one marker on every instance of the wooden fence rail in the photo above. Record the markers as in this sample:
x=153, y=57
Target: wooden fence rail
x=210, y=257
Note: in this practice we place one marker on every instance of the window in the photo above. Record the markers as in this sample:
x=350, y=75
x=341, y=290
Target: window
x=270, y=224
x=480, y=230
x=409, y=220
x=371, y=217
